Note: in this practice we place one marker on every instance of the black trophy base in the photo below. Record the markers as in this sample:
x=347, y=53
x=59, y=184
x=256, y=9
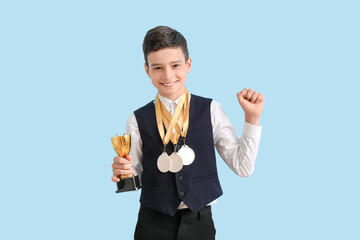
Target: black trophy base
x=128, y=184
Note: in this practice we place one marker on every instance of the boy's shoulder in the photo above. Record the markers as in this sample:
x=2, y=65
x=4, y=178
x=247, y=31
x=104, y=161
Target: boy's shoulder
x=147, y=107
x=197, y=97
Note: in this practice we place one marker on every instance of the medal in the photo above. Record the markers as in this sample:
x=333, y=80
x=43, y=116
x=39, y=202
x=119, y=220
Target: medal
x=176, y=125
x=187, y=155
x=176, y=163
x=164, y=162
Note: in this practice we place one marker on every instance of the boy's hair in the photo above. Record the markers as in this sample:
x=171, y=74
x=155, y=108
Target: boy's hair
x=163, y=37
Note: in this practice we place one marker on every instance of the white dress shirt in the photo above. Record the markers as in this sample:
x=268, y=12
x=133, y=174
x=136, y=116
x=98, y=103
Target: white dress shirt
x=238, y=153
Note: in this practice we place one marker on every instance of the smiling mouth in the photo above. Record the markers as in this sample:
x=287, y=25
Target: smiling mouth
x=169, y=84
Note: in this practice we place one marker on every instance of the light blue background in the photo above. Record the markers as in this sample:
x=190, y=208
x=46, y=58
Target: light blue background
x=72, y=72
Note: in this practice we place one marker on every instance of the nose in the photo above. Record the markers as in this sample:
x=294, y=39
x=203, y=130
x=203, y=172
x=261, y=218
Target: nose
x=168, y=73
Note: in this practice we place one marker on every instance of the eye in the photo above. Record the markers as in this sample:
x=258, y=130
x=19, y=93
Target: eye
x=176, y=65
x=156, y=68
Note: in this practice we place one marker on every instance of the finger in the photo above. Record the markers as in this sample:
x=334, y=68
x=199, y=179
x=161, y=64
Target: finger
x=249, y=94
x=129, y=158
x=120, y=160
x=117, y=166
x=119, y=172
x=241, y=95
x=121, y=166
x=116, y=158
x=115, y=178
x=126, y=167
x=254, y=96
x=260, y=98
x=244, y=92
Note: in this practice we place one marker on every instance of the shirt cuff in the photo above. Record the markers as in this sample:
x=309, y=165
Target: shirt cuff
x=251, y=130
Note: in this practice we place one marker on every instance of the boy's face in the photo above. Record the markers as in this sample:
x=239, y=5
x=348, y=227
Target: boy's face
x=167, y=70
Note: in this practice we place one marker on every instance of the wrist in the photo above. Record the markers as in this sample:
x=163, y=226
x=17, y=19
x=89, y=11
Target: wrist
x=252, y=120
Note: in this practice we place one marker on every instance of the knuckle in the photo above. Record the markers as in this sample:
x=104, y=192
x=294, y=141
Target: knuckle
x=123, y=167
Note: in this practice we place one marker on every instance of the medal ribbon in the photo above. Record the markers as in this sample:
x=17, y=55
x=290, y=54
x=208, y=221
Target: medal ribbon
x=179, y=121
x=182, y=124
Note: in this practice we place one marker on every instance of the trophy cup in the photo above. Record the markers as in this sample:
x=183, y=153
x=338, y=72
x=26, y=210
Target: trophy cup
x=122, y=146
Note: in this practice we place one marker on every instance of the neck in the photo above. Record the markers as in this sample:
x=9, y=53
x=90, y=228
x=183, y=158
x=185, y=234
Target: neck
x=174, y=96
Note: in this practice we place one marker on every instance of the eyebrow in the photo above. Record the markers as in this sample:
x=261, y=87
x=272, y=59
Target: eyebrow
x=156, y=64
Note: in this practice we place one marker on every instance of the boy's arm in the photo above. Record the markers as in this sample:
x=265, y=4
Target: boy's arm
x=238, y=153
x=132, y=128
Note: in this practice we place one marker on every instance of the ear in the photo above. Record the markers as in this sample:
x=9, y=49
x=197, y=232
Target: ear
x=147, y=70
x=188, y=65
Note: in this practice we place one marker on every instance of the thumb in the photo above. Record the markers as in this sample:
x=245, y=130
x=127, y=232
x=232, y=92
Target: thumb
x=128, y=157
x=240, y=96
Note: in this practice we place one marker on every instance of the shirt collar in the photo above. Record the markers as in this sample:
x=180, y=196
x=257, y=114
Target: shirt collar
x=167, y=102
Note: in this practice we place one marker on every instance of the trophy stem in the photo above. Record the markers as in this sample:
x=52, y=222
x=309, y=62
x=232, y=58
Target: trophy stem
x=126, y=176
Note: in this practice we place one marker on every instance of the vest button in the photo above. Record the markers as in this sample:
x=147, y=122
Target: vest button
x=181, y=194
x=181, y=178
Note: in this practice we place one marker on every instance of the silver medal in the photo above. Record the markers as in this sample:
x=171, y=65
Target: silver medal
x=176, y=163
x=187, y=155
x=164, y=162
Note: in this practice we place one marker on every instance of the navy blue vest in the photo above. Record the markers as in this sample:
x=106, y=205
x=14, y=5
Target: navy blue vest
x=197, y=184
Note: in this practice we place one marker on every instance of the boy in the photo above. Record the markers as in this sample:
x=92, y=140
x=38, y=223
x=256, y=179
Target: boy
x=173, y=142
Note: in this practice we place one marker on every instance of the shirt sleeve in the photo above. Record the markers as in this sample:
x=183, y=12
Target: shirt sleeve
x=132, y=128
x=238, y=153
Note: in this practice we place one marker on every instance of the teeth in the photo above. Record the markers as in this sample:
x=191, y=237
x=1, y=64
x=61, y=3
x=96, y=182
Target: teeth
x=169, y=84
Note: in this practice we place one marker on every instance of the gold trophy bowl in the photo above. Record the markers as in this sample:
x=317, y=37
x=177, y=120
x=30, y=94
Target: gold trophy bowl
x=122, y=145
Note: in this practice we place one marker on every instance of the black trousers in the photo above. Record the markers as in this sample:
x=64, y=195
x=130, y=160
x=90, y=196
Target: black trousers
x=184, y=225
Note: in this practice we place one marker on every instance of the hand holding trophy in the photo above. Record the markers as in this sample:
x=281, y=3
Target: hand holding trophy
x=121, y=145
